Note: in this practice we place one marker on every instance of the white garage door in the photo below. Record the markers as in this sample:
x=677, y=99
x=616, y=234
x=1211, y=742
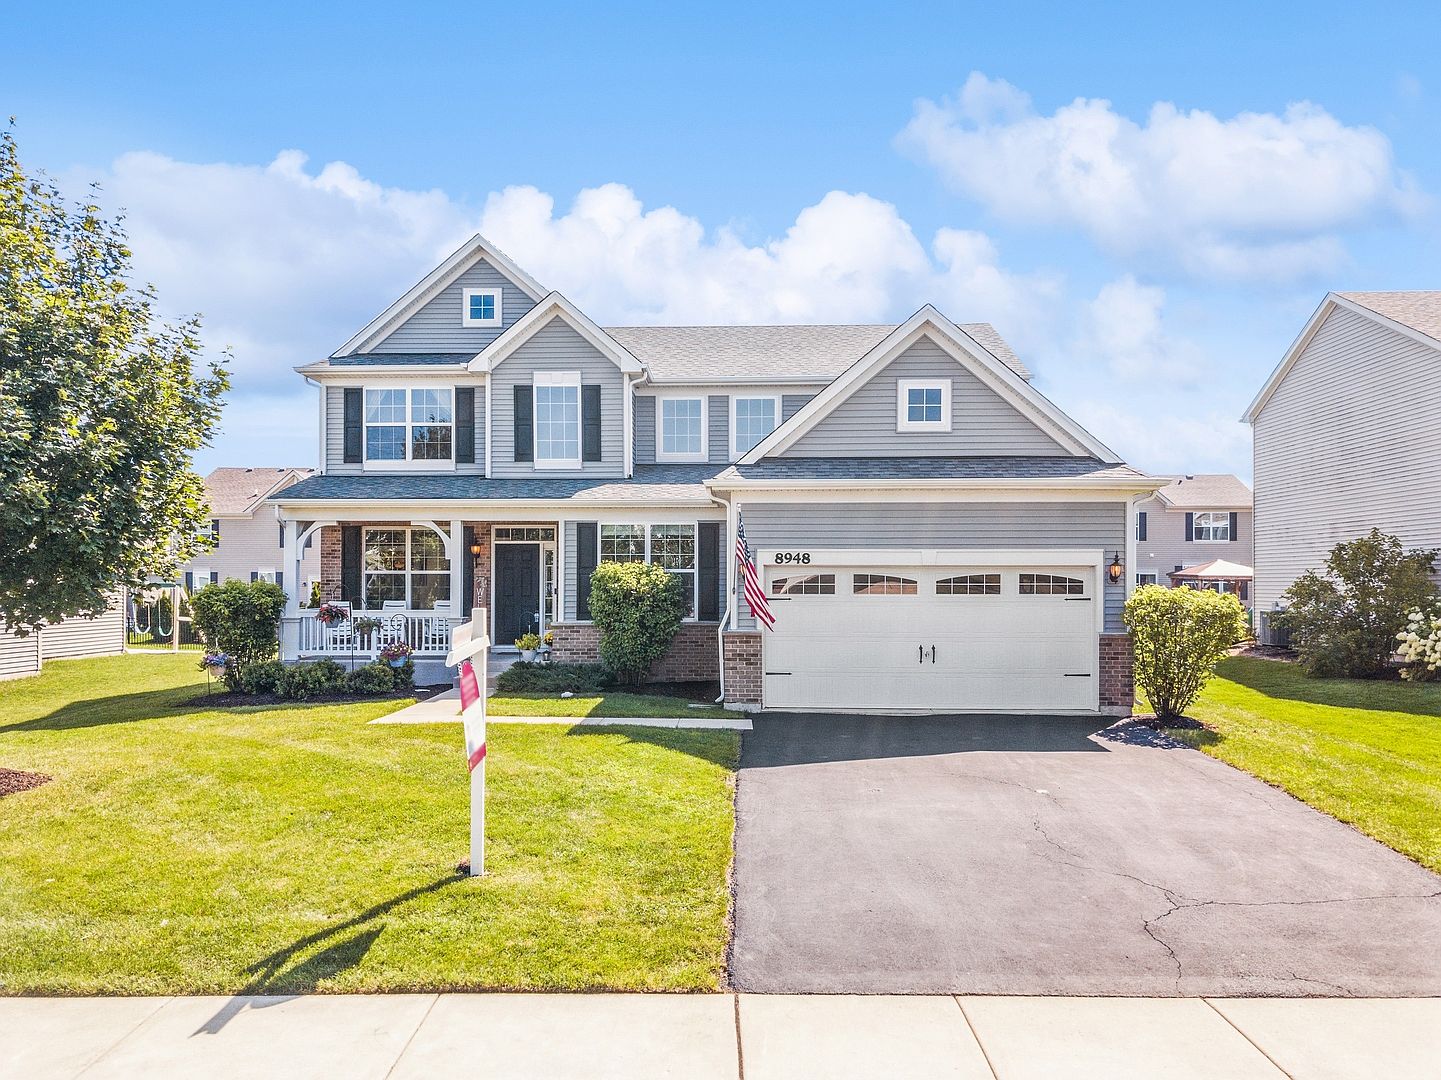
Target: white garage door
x=953, y=639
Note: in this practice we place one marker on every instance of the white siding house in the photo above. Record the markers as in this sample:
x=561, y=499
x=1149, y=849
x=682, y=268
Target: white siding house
x=1347, y=435
x=246, y=533
x=1193, y=520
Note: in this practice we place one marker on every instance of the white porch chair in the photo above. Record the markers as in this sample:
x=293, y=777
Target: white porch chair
x=340, y=637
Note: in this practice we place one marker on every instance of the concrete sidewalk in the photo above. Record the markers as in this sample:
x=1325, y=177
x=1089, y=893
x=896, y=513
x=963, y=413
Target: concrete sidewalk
x=705, y=1036
x=444, y=708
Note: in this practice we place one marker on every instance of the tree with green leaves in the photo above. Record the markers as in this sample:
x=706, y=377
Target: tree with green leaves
x=1178, y=636
x=1344, y=617
x=102, y=404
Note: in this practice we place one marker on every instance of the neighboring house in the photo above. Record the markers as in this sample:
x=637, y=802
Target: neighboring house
x=932, y=532
x=246, y=533
x=1191, y=524
x=71, y=638
x=1347, y=436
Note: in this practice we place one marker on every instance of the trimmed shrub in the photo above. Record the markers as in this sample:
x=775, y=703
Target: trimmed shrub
x=240, y=619
x=1345, y=617
x=529, y=678
x=638, y=608
x=266, y=678
x=372, y=679
x=304, y=681
x=1178, y=637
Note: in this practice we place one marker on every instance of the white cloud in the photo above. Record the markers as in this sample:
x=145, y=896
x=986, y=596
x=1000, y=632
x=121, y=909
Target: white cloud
x=1165, y=435
x=1123, y=329
x=1259, y=195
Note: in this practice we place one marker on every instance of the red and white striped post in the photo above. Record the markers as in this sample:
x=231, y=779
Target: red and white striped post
x=469, y=649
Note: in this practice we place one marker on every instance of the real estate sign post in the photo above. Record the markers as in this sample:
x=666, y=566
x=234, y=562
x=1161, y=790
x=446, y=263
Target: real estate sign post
x=467, y=648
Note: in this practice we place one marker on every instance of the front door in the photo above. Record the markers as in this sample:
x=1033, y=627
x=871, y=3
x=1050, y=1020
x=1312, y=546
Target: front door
x=517, y=591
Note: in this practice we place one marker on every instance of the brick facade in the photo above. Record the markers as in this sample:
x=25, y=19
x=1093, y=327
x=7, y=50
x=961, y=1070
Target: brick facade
x=330, y=562
x=743, y=668
x=481, y=534
x=1118, y=687
x=693, y=654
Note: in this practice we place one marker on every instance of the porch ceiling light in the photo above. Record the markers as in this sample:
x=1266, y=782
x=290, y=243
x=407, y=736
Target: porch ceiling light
x=1116, y=569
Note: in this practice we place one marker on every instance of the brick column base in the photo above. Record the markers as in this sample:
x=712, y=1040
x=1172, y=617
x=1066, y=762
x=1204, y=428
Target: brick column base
x=1118, y=686
x=692, y=657
x=743, y=668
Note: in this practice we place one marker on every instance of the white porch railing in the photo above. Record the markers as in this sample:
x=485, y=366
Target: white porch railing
x=427, y=633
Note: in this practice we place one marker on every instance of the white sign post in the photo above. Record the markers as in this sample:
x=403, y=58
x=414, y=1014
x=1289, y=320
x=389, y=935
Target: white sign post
x=469, y=649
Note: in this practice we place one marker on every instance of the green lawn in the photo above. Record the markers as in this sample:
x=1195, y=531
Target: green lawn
x=180, y=850
x=1368, y=753
x=608, y=704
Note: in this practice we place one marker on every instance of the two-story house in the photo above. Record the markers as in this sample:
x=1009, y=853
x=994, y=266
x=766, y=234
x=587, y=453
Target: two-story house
x=246, y=537
x=932, y=533
x=1196, y=531
x=1346, y=436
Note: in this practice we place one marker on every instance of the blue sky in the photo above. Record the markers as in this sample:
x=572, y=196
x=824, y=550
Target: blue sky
x=1148, y=205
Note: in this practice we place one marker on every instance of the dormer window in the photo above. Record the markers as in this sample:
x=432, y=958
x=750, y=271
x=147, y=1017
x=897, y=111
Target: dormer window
x=481, y=307
x=923, y=405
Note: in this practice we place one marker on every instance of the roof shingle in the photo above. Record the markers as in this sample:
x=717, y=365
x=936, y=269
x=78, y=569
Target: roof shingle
x=237, y=491
x=1207, y=491
x=1420, y=310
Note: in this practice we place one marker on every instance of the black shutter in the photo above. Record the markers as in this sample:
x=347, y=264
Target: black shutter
x=465, y=425
x=590, y=422
x=587, y=554
x=282, y=533
x=468, y=576
x=280, y=578
x=1141, y=525
x=215, y=529
x=214, y=576
x=708, y=552
x=350, y=565
x=1190, y=527
x=1234, y=534
x=254, y=574
x=1245, y=591
x=354, y=425
x=189, y=581
x=524, y=408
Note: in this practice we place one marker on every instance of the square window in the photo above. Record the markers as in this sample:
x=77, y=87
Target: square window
x=480, y=307
x=923, y=405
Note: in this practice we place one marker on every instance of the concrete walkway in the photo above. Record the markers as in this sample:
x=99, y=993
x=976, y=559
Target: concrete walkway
x=444, y=708
x=717, y=1037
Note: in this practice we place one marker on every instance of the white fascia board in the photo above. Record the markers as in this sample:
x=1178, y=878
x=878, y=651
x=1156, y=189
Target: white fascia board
x=928, y=490
x=818, y=381
x=461, y=260
x=501, y=510
x=354, y=375
x=551, y=306
x=1328, y=305
x=966, y=351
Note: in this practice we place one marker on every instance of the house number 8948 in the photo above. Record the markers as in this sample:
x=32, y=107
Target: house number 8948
x=784, y=558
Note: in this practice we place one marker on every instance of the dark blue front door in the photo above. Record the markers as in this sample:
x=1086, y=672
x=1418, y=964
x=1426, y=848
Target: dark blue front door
x=517, y=591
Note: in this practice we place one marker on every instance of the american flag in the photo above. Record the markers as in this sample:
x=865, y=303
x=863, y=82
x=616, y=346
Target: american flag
x=755, y=592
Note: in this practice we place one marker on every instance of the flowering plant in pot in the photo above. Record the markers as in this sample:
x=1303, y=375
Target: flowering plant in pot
x=214, y=664
x=396, y=653
x=330, y=614
x=527, y=644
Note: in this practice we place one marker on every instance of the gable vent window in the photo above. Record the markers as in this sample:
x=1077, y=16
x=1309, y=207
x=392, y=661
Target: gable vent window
x=1051, y=585
x=480, y=307
x=970, y=585
x=923, y=405
x=882, y=585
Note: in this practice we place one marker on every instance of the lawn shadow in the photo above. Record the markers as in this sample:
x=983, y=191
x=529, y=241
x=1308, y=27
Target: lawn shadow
x=173, y=701
x=1286, y=681
x=290, y=971
x=720, y=751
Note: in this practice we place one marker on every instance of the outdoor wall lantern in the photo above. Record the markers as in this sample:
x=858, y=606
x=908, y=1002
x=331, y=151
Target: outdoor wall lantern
x=1116, y=569
x=475, y=550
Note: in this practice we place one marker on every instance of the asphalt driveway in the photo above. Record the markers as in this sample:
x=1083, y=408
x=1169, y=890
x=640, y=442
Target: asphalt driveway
x=1045, y=855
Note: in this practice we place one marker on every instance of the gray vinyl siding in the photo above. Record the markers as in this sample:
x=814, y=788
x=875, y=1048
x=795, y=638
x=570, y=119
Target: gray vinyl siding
x=941, y=525
x=981, y=421
x=792, y=404
x=557, y=347
x=1165, y=546
x=1350, y=439
x=436, y=326
x=251, y=544
x=335, y=427
x=569, y=567
x=103, y=635
x=717, y=430
x=19, y=656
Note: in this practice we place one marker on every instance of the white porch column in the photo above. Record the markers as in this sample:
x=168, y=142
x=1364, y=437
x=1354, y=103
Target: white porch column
x=290, y=556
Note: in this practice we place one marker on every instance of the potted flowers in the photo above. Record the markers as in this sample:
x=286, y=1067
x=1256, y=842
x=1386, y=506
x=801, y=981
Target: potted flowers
x=214, y=664
x=330, y=614
x=396, y=653
x=527, y=644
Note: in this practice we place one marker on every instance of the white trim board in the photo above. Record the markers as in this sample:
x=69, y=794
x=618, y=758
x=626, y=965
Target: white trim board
x=552, y=305
x=965, y=350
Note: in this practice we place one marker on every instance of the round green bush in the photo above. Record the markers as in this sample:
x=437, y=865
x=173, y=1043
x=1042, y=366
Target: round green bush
x=638, y=607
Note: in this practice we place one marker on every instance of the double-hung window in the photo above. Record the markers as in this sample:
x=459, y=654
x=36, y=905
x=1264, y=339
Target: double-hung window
x=409, y=424
x=923, y=405
x=480, y=307
x=671, y=547
x=681, y=429
x=752, y=419
x=557, y=419
x=1212, y=525
x=408, y=565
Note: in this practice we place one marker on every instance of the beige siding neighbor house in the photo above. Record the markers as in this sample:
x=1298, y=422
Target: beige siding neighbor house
x=246, y=533
x=1192, y=522
x=1347, y=435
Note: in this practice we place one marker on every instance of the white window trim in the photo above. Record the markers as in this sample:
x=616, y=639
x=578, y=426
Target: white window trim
x=407, y=463
x=466, y=320
x=660, y=453
x=903, y=388
x=1225, y=515
x=556, y=378
x=736, y=451
x=645, y=527
x=1155, y=578
x=407, y=574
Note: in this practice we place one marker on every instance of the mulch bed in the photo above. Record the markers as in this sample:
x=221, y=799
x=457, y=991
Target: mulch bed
x=1181, y=723
x=232, y=701
x=13, y=781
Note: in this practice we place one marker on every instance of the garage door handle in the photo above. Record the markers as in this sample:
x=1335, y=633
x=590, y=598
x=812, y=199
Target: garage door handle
x=1076, y=675
x=920, y=654
x=933, y=654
